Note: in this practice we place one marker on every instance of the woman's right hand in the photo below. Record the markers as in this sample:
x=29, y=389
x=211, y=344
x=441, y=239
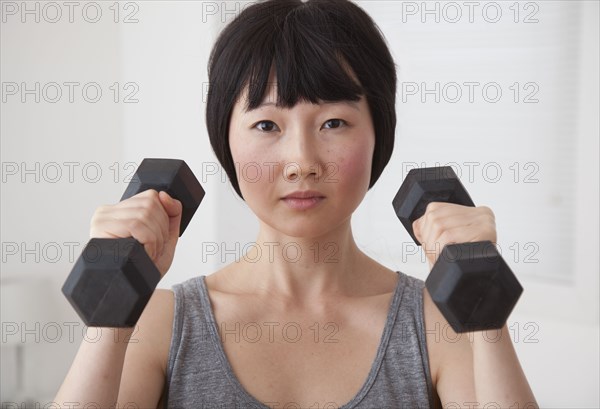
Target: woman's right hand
x=150, y=217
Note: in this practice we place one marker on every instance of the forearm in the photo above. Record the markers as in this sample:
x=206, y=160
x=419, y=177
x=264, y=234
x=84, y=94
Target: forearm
x=499, y=378
x=95, y=375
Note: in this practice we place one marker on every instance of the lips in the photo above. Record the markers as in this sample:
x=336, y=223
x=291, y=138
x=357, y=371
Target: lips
x=303, y=200
x=305, y=194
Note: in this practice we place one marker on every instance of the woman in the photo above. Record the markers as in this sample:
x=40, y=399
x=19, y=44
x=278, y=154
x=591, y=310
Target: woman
x=301, y=115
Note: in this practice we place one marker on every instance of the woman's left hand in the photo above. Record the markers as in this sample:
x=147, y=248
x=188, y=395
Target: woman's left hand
x=449, y=223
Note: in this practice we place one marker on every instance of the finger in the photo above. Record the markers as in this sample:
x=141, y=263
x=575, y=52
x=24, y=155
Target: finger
x=111, y=222
x=445, y=216
x=432, y=228
x=161, y=218
x=434, y=211
x=136, y=222
x=174, y=226
x=439, y=210
x=144, y=234
x=466, y=234
x=172, y=206
x=174, y=209
x=153, y=220
x=150, y=199
x=416, y=226
x=148, y=193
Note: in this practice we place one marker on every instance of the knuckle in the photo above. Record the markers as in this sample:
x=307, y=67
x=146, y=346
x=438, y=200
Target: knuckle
x=487, y=210
x=433, y=206
x=415, y=225
x=95, y=218
x=152, y=193
x=101, y=209
x=488, y=218
x=425, y=219
x=435, y=218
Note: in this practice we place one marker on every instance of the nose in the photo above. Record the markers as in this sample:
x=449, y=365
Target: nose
x=302, y=156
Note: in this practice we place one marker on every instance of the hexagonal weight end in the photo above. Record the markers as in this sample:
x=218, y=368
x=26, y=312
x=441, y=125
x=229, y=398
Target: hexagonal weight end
x=473, y=286
x=423, y=186
x=111, y=282
x=172, y=176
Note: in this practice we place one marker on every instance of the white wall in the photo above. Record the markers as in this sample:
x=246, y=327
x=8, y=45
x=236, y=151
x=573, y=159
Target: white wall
x=45, y=213
x=162, y=59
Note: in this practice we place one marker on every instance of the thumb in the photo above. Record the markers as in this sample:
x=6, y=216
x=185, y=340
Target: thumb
x=174, y=210
x=173, y=207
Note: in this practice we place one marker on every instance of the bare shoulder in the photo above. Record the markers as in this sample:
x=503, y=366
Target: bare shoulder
x=156, y=322
x=450, y=354
x=433, y=326
x=145, y=366
x=153, y=331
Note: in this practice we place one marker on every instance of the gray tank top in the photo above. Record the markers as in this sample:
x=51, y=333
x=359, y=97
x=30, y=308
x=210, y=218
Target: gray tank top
x=199, y=375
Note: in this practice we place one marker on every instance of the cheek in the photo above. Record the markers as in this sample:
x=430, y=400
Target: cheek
x=354, y=169
x=253, y=170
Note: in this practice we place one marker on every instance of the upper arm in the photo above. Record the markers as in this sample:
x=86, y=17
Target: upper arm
x=144, y=369
x=450, y=357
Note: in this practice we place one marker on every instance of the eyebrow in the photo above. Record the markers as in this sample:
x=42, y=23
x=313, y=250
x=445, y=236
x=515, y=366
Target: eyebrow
x=352, y=104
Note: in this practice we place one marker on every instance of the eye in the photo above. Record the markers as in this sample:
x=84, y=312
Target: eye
x=335, y=121
x=268, y=128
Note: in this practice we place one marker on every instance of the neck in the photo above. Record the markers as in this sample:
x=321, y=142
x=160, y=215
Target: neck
x=304, y=269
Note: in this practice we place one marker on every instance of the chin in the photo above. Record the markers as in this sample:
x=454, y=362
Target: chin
x=307, y=229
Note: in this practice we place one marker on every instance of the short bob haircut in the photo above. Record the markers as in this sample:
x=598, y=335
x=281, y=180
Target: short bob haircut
x=310, y=44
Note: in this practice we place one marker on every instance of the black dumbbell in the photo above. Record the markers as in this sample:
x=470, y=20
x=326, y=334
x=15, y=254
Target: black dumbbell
x=113, y=279
x=470, y=282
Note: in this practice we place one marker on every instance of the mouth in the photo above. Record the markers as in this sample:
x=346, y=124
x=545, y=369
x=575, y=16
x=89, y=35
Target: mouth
x=307, y=194
x=303, y=200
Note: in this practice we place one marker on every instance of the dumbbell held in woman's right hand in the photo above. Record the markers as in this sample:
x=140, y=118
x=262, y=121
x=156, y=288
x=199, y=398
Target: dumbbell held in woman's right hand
x=113, y=279
x=470, y=283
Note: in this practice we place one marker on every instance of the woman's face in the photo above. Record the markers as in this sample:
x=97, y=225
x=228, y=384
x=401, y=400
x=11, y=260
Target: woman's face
x=326, y=148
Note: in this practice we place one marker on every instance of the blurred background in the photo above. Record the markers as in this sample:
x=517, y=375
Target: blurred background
x=504, y=92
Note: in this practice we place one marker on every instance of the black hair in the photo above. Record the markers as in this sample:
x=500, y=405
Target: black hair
x=310, y=46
